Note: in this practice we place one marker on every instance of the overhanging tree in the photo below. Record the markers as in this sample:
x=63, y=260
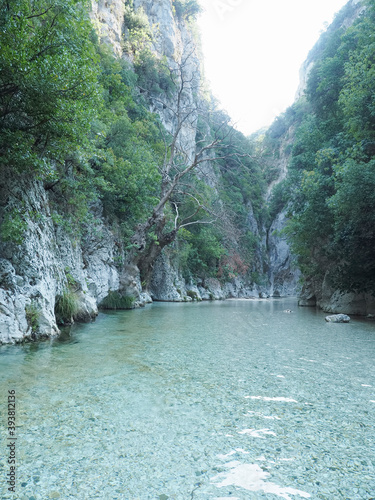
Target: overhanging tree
x=185, y=152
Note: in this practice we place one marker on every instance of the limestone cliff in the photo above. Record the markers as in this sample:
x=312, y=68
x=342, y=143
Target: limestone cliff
x=36, y=271
x=283, y=272
x=173, y=39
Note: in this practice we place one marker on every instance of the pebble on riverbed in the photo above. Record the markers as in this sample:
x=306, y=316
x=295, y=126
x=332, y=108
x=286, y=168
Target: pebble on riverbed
x=338, y=318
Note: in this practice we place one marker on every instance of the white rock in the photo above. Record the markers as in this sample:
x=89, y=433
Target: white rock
x=338, y=318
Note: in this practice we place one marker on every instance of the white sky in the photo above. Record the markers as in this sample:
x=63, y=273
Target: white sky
x=253, y=50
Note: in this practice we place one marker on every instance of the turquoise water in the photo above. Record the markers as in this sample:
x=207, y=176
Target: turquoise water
x=218, y=400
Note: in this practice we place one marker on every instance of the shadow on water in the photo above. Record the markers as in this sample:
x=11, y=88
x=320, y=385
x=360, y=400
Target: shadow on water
x=67, y=336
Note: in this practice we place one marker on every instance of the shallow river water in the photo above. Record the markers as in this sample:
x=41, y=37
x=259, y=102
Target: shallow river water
x=216, y=400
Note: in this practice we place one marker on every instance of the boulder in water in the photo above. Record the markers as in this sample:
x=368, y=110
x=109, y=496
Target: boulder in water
x=338, y=318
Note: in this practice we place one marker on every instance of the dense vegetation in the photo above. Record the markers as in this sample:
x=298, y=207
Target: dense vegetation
x=79, y=120
x=330, y=189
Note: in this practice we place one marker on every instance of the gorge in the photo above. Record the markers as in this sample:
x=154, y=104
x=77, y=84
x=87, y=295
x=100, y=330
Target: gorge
x=122, y=182
x=130, y=208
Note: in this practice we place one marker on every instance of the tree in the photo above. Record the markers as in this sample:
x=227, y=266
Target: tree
x=331, y=173
x=178, y=170
x=353, y=206
x=187, y=8
x=357, y=97
x=48, y=82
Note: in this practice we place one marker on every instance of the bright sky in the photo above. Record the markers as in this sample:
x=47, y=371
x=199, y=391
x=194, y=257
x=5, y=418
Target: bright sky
x=253, y=50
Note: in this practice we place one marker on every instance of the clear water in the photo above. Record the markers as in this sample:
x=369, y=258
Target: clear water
x=222, y=400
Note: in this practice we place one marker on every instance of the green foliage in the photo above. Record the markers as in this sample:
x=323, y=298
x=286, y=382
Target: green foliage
x=78, y=119
x=292, y=116
x=353, y=206
x=277, y=139
x=325, y=82
x=119, y=164
x=258, y=279
x=32, y=316
x=114, y=300
x=13, y=227
x=48, y=81
x=279, y=199
x=66, y=306
x=72, y=282
x=127, y=147
x=186, y=9
x=154, y=76
x=138, y=33
x=153, y=73
x=193, y=295
x=357, y=97
x=242, y=179
x=199, y=251
x=331, y=183
x=225, y=248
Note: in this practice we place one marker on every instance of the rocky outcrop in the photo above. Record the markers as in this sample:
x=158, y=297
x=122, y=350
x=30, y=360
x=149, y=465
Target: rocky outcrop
x=169, y=35
x=168, y=285
x=307, y=295
x=47, y=262
x=283, y=274
x=322, y=294
x=30, y=271
x=50, y=260
x=362, y=304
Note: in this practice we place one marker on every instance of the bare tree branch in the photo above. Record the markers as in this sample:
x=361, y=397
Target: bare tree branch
x=198, y=222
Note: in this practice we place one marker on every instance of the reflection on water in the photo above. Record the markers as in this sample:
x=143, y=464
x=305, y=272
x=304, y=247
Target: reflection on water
x=252, y=478
x=205, y=401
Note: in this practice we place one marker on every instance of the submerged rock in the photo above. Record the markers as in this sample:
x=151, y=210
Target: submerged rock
x=338, y=318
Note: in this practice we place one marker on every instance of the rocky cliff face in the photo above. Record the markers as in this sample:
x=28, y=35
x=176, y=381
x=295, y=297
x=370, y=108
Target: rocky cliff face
x=49, y=260
x=284, y=274
x=173, y=39
x=323, y=295
x=36, y=271
x=108, y=20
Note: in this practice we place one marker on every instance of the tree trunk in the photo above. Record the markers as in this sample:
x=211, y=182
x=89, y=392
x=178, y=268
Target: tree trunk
x=143, y=253
x=147, y=258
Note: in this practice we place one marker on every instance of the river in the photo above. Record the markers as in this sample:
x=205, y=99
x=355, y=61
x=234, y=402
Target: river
x=216, y=400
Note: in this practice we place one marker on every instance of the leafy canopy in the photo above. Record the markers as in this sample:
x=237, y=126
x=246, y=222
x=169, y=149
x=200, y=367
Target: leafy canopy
x=48, y=80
